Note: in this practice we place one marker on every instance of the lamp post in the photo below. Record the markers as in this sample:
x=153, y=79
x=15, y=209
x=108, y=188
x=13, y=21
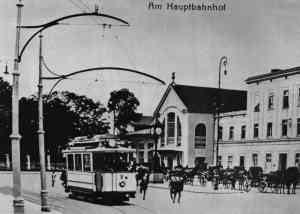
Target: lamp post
x=156, y=131
x=223, y=61
x=41, y=135
x=18, y=201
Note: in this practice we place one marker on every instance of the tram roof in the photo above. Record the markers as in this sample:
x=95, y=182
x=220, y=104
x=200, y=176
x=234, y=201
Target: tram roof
x=98, y=150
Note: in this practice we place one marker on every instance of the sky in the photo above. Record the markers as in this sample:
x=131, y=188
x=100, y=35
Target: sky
x=256, y=36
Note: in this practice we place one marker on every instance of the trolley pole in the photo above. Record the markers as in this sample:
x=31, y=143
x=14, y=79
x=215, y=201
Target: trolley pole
x=41, y=135
x=18, y=201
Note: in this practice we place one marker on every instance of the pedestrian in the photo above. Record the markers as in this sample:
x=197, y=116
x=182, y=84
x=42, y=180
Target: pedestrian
x=53, y=177
x=144, y=184
x=63, y=178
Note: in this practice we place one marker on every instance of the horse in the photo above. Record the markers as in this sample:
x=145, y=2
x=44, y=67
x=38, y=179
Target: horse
x=274, y=180
x=292, y=179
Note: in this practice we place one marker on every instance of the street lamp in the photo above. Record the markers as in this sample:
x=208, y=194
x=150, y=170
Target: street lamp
x=223, y=62
x=156, y=131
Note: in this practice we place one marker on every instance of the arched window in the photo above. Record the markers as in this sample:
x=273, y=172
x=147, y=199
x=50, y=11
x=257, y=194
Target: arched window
x=170, y=127
x=162, y=138
x=200, y=136
x=178, y=132
x=231, y=133
x=220, y=136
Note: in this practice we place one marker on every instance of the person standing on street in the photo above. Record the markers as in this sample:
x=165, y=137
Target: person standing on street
x=53, y=177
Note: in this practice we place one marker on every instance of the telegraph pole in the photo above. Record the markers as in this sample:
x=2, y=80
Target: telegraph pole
x=41, y=135
x=18, y=201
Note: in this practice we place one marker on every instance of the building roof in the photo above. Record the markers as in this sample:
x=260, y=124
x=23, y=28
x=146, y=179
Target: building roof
x=203, y=99
x=273, y=74
x=143, y=122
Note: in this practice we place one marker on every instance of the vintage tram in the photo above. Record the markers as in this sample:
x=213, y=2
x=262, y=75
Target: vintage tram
x=99, y=167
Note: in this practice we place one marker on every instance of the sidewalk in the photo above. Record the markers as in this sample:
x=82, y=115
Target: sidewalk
x=6, y=206
x=207, y=189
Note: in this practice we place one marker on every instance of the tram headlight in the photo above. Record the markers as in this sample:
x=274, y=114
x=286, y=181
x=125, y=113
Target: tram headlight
x=122, y=184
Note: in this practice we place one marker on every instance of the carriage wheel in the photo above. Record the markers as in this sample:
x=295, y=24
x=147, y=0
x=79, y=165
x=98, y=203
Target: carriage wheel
x=247, y=186
x=262, y=186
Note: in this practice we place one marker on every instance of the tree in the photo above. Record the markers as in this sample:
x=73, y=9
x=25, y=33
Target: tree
x=5, y=115
x=66, y=115
x=123, y=104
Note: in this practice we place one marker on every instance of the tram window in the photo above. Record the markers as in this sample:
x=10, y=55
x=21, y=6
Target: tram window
x=70, y=162
x=86, y=162
x=78, y=162
x=110, y=162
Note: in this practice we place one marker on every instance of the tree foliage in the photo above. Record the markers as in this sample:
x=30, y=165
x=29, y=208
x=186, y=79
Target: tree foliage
x=123, y=104
x=5, y=115
x=66, y=115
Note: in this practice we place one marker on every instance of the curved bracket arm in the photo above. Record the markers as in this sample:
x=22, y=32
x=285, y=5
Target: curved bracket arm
x=56, y=22
x=106, y=68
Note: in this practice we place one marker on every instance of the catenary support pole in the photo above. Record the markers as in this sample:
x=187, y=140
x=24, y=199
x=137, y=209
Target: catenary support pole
x=18, y=201
x=44, y=193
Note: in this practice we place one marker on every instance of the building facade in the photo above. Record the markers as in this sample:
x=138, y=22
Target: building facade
x=186, y=114
x=271, y=124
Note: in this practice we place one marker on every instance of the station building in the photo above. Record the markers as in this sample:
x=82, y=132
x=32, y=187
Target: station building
x=187, y=117
x=267, y=133
x=258, y=127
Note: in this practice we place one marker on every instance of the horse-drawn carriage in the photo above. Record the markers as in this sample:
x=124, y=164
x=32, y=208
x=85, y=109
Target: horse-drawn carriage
x=278, y=180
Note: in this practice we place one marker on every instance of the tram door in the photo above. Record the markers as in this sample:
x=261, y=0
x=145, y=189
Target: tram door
x=282, y=161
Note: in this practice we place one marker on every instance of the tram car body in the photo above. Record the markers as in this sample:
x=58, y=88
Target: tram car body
x=99, y=167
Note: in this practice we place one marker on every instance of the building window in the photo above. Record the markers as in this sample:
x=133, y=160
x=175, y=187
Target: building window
x=78, y=162
x=86, y=162
x=298, y=98
x=220, y=133
x=284, y=128
x=255, y=159
x=243, y=132
x=298, y=126
x=297, y=159
x=178, y=132
x=255, y=131
x=256, y=104
x=242, y=161
x=200, y=136
x=231, y=132
x=170, y=127
x=285, y=101
x=269, y=129
x=162, y=138
x=150, y=145
x=219, y=159
x=271, y=101
x=229, y=161
x=268, y=158
x=141, y=145
x=256, y=108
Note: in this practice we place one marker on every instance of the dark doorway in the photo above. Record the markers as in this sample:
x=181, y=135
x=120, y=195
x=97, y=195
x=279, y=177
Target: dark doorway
x=170, y=162
x=282, y=161
x=242, y=161
x=200, y=162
